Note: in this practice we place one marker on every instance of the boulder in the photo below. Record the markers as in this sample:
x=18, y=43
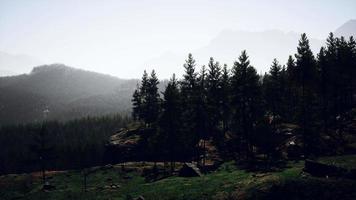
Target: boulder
x=47, y=186
x=140, y=198
x=189, y=170
x=323, y=170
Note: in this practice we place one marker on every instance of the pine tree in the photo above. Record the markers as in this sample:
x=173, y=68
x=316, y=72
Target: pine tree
x=346, y=64
x=246, y=94
x=274, y=89
x=144, y=96
x=189, y=92
x=306, y=80
x=291, y=97
x=213, y=97
x=201, y=120
x=136, y=104
x=324, y=95
x=352, y=73
x=352, y=69
x=331, y=70
x=170, y=122
x=152, y=99
x=225, y=107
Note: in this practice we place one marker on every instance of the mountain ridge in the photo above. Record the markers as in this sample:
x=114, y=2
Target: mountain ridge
x=347, y=29
x=66, y=91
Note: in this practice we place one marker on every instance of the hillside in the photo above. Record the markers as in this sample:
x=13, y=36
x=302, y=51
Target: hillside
x=66, y=92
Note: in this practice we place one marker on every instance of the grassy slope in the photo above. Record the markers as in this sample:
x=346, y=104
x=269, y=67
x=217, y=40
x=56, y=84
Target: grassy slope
x=346, y=161
x=228, y=182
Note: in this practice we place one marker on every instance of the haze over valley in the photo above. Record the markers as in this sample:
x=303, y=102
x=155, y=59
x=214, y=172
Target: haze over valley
x=179, y=99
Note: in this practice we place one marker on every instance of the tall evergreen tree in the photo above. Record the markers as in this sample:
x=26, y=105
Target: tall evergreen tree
x=202, y=115
x=274, y=89
x=352, y=72
x=246, y=94
x=152, y=100
x=323, y=87
x=170, y=122
x=291, y=96
x=331, y=71
x=214, y=97
x=136, y=104
x=306, y=80
x=352, y=48
x=189, y=92
x=225, y=107
x=144, y=96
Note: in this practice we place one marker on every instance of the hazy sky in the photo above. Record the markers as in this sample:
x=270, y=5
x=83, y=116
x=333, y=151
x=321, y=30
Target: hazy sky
x=117, y=37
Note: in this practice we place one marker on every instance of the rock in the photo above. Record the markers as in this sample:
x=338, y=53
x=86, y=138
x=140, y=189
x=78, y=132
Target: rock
x=260, y=175
x=127, y=177
x=114, y=186
x=140, y=198
x=108, y=166
x=189, y=170
x=322, y=170
x=47, y=187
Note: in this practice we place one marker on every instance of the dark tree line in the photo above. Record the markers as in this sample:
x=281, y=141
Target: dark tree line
x=311, y=92
x=54, y=145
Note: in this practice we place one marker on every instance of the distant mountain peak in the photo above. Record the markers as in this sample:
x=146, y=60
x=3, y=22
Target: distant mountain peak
x=51, y=67
x=347, y=29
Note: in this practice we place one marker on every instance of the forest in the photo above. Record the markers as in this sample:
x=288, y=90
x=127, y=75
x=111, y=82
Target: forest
x=62, y=145
x=245, y=136
x=243, y=113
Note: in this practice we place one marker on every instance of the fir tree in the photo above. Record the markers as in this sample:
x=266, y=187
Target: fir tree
x=323, y=90
x=291, y=97
x=144, y=96
x=170, y=121
x=306, y=81
x=246, y=94
x=213, y=97
x=274, y=89
x=225, y=107
x=136, y=104
x=152, y=100
x=189, y=93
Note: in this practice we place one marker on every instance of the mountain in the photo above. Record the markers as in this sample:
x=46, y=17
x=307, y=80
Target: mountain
x=261, y=46
x=11, y=64
x=66, y=92
x=348, y=29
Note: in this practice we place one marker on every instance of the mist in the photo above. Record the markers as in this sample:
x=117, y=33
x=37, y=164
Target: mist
x=123, y=38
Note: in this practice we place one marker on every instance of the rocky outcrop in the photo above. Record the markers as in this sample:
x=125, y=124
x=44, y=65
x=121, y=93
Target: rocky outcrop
x=321, y=169
x=189, y=170
x=129, y=144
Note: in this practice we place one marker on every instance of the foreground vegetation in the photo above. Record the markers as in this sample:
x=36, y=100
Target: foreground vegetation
x=228, y=182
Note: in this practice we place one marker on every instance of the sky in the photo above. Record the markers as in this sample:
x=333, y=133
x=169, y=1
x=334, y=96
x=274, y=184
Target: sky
x=118, y=37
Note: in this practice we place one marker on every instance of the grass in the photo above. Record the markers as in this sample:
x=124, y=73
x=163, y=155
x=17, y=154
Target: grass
x=346, y=161
x=228, y=182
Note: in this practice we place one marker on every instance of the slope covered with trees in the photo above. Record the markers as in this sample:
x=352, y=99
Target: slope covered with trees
x=66, y=92
x=243, y=113
x=57, y=145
